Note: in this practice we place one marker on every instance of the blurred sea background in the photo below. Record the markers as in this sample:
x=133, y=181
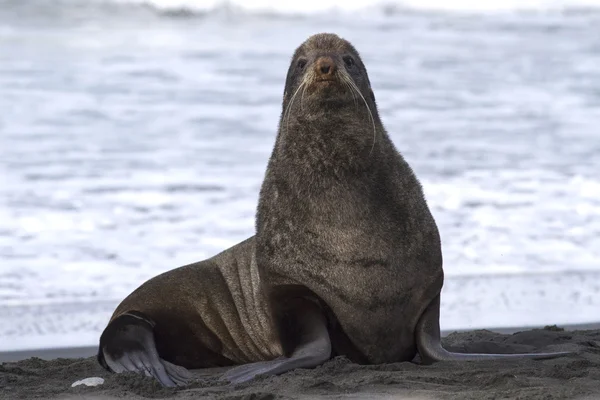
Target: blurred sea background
x=134, y=136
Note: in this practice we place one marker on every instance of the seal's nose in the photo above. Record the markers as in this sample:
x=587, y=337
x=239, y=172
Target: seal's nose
x=325, y=67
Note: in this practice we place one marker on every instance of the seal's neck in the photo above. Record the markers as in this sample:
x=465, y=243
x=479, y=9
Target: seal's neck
x=328, y=141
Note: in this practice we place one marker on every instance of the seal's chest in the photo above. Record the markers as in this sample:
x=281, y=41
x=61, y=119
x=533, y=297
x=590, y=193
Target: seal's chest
x=348, y=258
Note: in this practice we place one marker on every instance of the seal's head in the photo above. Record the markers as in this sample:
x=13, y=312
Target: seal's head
x=329, y=113
x=327, y=69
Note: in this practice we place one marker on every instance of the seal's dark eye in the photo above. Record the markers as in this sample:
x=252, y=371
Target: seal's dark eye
x=301, y=63
x=349, y=61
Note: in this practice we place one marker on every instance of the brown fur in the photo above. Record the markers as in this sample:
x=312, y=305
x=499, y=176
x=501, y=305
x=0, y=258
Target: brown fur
x=210, y=313
x=342, y=214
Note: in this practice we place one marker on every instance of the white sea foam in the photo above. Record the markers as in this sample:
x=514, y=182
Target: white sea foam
x=316, y=6
x=354, y=5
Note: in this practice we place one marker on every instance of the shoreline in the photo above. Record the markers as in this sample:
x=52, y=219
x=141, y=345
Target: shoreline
x=575, y=375
x=89, y=351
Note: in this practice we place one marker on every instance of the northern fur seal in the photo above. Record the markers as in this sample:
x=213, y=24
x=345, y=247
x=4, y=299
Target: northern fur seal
x=342, y=220
x=346, y=261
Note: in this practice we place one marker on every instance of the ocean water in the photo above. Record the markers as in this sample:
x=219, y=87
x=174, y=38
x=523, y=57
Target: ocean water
x=134, y=136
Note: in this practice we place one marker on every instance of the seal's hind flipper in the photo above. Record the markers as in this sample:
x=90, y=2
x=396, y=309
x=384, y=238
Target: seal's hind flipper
x=314, y=348
x=127, y=344
x=430, y=347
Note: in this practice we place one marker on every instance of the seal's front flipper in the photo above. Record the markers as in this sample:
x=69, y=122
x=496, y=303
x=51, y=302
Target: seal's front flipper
x=430, y=347
x=314, y=348
x=127, y=344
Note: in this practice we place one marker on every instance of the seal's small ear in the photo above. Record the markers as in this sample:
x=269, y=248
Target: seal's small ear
x=372, y=95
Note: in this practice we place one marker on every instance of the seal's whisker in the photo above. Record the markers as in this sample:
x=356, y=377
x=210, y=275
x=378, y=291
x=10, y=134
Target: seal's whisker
x=286, y=114
x=288, y=109
x=351, y=90
x=345, y=79
x=309, y=78
x=351, y=82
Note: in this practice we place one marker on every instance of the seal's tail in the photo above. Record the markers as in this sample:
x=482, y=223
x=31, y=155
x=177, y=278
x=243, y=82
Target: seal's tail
x=127, y=344
x=430, y=347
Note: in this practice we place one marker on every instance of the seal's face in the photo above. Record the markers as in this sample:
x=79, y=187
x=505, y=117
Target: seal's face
x=329, y=111
x=326, y=69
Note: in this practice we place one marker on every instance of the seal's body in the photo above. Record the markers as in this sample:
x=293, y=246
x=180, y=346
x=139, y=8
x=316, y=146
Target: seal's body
x=346, y=259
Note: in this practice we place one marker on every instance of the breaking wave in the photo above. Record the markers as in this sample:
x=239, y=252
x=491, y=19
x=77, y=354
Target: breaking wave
x=306, y=7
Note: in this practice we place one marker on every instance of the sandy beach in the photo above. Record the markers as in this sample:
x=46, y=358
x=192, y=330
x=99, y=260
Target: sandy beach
x=572, y=377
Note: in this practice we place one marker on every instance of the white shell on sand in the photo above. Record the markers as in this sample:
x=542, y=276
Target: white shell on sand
x=94, y=381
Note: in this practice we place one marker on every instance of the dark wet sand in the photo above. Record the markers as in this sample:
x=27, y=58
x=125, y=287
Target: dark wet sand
x=572, y=377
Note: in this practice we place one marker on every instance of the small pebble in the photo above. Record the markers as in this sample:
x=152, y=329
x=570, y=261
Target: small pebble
x=95, y=381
